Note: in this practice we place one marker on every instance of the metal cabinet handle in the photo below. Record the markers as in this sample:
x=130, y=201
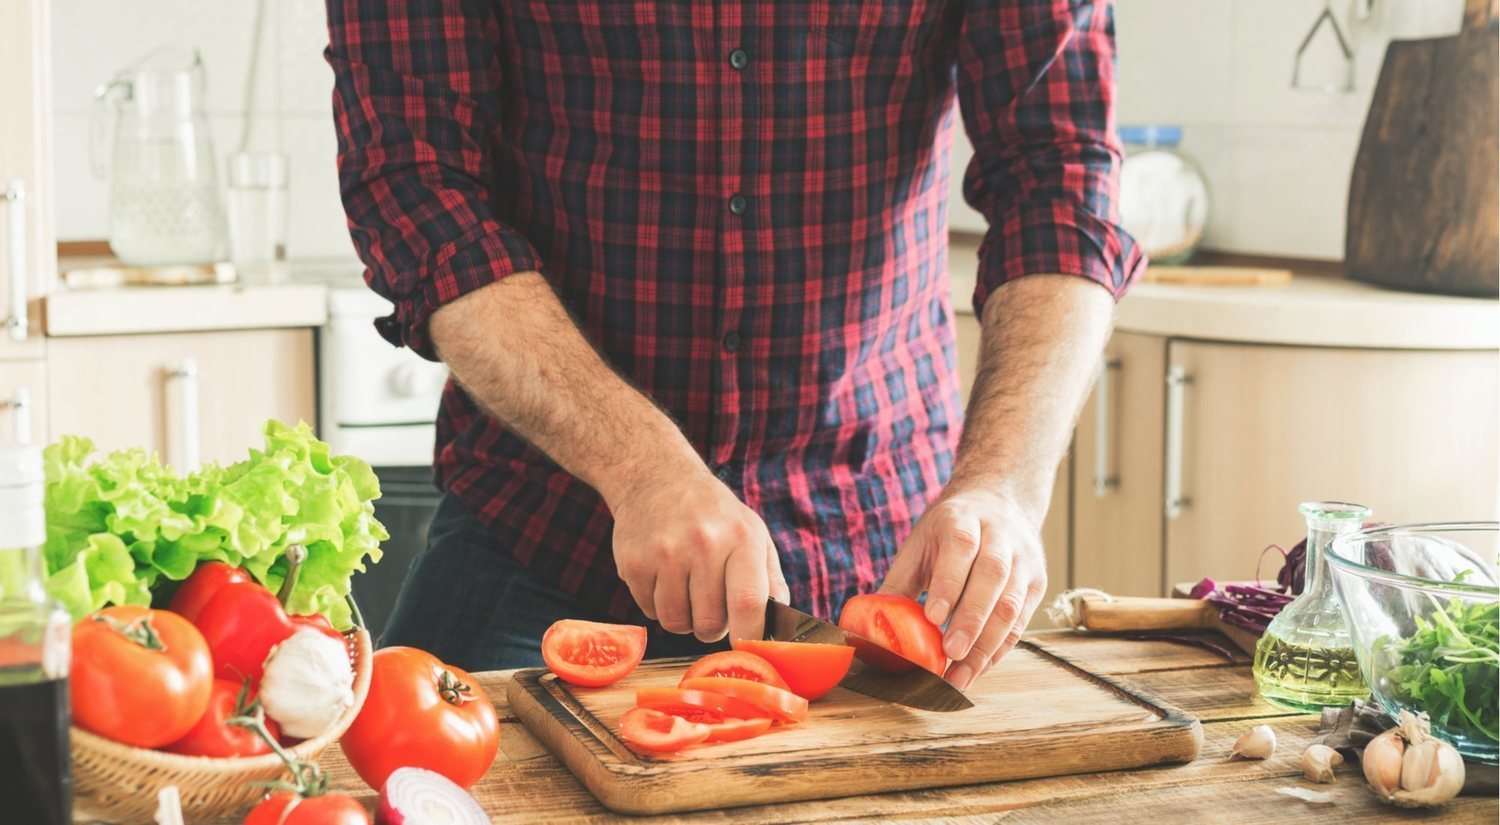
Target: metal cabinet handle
x=15, y=237
x=186, y=376
x=1177, y=380
x=1103, y=479
x=19, y=403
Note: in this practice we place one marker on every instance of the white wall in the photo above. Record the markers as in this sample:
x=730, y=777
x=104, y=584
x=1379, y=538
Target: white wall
x=1277, y=159
x=93, y=39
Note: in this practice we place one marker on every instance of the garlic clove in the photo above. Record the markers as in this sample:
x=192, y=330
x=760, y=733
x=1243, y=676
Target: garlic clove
x=1258, y=742
x=1432, y=772
x=1318, y=762
x=1382, y=760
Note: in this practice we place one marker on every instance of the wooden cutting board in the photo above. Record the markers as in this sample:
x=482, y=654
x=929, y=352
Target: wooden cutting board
x=1037, y=714
x=1423, y=194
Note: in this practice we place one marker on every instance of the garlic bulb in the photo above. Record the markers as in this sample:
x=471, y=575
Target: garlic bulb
x=1410, y=767
x=1258, y=742
x=308, y=684
x=1318, y=762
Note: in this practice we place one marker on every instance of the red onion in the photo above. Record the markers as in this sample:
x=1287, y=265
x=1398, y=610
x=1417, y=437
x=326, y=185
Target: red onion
x=416, y=796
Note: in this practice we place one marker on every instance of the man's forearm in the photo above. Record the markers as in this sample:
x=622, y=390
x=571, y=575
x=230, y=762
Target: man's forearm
x=518, y=354
x=1039, y=349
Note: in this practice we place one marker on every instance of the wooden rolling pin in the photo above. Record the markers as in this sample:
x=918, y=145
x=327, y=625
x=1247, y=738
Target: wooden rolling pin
x=1133, y=614
x=1216, y=275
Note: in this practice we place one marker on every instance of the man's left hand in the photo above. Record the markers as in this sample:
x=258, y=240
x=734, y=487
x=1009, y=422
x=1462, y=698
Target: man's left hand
x=978, y=556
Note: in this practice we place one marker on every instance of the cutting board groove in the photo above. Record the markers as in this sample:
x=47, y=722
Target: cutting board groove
x=1038, y=714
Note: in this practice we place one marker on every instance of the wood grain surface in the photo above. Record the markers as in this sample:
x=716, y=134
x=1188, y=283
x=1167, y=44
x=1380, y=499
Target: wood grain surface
x=1036, y=715
x=528, y=785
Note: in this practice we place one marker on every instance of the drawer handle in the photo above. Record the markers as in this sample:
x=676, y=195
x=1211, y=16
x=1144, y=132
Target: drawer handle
x=185, y=375
x=15, y=236
x=1177, y=381
x=19, y=404
x=1103, y=478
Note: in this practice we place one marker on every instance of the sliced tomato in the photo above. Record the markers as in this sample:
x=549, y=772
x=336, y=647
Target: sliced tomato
x=592, y=654
x=657, y=732
x=736, y=665
x=734, y=730
x=899, y=626
x=810, y=670
x=782, y=705
x=691, y=703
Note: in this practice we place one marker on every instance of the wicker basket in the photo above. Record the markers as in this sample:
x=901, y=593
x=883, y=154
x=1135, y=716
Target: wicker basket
x=118, y=783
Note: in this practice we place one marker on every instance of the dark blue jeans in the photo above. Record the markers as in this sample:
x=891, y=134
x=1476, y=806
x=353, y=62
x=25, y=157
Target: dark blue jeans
x=466, y=601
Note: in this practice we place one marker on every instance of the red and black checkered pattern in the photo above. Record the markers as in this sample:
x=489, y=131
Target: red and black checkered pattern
x=743, y=205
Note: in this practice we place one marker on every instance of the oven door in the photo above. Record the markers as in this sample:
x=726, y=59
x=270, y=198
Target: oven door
x=405, y=507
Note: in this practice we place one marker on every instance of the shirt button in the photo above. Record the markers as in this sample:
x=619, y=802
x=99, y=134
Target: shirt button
x=738, y=204
x=732, y=341
x=724, y=472
x=738, y=59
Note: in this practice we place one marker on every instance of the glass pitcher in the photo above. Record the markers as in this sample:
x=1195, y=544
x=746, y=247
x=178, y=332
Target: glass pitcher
x=164, y=199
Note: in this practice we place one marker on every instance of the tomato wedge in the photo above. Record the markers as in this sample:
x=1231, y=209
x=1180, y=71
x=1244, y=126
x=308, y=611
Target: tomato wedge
x=782, y=705
x=691, y=703
x=733, y=730
x=657, y=732
x=810, y=670
x=898, y=625
x=592, y=654
x=736, y=665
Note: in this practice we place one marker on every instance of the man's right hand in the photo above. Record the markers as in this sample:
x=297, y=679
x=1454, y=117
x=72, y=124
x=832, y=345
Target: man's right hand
x=696, y=559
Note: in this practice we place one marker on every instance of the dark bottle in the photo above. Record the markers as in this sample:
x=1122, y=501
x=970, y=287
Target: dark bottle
x=35, y=645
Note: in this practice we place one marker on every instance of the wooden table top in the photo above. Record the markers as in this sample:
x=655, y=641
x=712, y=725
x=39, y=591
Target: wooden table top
x=527, y=785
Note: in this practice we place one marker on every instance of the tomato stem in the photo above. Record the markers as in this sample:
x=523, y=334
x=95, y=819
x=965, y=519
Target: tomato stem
x=296, y=554
x=138, y=630
x=454, y=691
x=307, y=779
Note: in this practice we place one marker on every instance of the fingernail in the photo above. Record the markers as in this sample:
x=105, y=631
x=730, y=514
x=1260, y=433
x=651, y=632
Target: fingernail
x=937, y=611
x=960, y=676
x=957, y=645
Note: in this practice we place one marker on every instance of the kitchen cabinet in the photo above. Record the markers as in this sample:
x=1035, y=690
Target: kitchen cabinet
x=198, y=396
x=23, y=402
x=1055, y=528
x=28, y=253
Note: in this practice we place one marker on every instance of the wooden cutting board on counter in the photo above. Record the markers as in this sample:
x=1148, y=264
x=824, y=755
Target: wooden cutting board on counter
x=1037, y=714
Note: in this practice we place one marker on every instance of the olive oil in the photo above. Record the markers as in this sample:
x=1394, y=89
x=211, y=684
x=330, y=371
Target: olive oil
x=1306, y=677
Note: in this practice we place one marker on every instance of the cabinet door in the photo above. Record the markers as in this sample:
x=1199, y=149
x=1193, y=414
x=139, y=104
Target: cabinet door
x=1055, y=529
x=192, y=397
x=1117, y=514
x=28, y=248
x=23, y=402
x=1411, y=434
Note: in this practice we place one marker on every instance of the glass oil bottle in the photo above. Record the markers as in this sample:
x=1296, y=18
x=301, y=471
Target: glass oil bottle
x=1305, y=660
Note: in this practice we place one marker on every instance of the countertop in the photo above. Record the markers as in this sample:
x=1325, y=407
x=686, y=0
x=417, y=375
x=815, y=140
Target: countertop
x=155, y=309
x=526, y=784
x=1314, y=311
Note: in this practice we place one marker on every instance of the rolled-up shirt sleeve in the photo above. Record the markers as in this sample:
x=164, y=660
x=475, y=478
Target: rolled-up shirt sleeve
x=416, y=97
x=1036, y=86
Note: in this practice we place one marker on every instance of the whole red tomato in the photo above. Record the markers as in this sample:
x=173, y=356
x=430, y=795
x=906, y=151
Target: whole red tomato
x=213, y=736
x=140, y=677
x=291, y=809
x=242, y=622
x=421, y=713
x=205, y=582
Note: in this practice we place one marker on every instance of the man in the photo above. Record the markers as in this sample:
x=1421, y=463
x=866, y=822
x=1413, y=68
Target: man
x=686, y=263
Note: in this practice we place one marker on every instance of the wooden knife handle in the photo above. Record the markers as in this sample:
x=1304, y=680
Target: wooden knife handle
x=1136, y=614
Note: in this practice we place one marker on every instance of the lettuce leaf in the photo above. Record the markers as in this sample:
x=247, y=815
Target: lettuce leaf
x=122, y=525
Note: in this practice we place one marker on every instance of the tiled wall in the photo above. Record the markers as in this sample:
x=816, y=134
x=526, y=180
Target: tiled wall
x=1277, y=159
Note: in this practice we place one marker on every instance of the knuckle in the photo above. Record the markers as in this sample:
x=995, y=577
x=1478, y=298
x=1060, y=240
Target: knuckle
x=963, y=539
x=993, y=565
x=703, y=533
x=709, y=628
x=1008, y=608
x=745, y=600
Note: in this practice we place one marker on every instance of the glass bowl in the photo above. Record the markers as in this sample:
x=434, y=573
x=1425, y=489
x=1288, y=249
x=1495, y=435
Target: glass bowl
x=1421, y=601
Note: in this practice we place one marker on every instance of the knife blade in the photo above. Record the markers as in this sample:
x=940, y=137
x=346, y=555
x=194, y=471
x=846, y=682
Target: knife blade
x=916, y=688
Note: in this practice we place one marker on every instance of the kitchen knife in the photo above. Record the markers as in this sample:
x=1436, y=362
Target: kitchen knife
x=916, y=688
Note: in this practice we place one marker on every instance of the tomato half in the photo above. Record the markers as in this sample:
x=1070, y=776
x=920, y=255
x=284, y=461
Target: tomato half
x=810, y=670
x=735, y=665
x=782, y=705
x=592, y=654
x=421, y=713
x=205, y=582
x=688, y=703
x=140, y=677
x=898, y=625
x=242, y=622
x=212, y=736
x=290, y=809
x=657, y=732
